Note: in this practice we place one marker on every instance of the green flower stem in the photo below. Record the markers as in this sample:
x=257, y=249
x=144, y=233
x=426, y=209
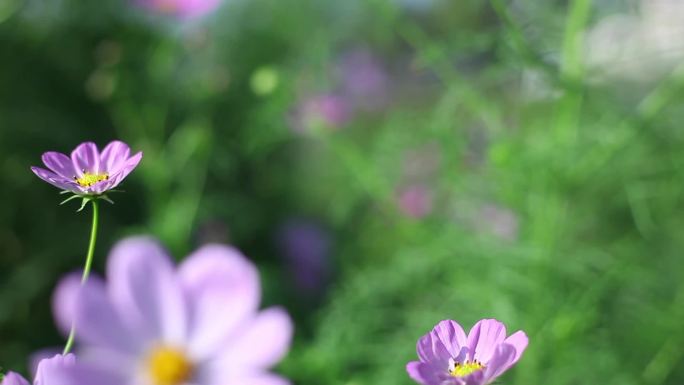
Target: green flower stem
x=86, y=268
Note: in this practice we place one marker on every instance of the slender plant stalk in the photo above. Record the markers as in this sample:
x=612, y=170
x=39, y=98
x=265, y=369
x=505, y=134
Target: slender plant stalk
x=86, y=269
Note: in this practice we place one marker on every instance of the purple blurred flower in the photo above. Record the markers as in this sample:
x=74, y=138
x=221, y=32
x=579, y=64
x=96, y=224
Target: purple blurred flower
x=306, y=248
x=153, y=324
x=39, y=356
x=51, y=371
x=88, y=171
x=415, y=200
x=184, y=9
x=448, y=357
x=327, y=110
x=363, y=79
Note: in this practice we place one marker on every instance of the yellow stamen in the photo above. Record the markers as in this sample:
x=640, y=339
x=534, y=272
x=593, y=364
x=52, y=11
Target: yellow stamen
x=89, y=179
x=168, y=366
x=458, y=369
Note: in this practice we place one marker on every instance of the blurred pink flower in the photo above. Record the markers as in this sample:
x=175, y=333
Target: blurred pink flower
x=498, y=221
x=152, y=324
x=184, y=9
x=326, y=110
x=39, y=356
x=363, y=79
x=415, y=200
x=51, y=371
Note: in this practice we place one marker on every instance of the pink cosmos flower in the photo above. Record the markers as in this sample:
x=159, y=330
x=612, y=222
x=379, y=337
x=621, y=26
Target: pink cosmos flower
x=448, y=357
x=184, y=9
x=51, y=371
x=88, y=171
x=153, y=324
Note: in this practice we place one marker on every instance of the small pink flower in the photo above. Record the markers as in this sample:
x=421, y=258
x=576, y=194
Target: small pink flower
x=151, y=323
x=448, y=357
x=415, y=200
x=89, y=171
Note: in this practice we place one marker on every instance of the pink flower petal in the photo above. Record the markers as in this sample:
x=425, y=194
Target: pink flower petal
x=114, y=156
x=56, y=180
x=98, y=323
x=114, y=179
x=60, y=164
x=12, y=378
x=519, y=341
x=222, y=285
x=90, y=374
x=86, y=157
x=425, y=374
x=484, y=337
x=452, y=336
x=129, y=165
x=54, y=371
x=144, y=288
x=64, y=302
x=263, y=342
x=436, y=347
x=502, y=359
x=36, y=357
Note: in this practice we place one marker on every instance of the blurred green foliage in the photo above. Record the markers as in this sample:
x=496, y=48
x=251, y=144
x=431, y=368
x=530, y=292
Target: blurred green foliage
x=585, y=177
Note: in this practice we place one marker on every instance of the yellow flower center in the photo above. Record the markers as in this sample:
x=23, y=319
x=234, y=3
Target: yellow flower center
x=168, y=366
x=458, y=369
x=89, y=179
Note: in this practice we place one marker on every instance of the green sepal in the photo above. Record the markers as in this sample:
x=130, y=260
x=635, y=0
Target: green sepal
x=70, y=198
x=84, y=202
x=86, y=199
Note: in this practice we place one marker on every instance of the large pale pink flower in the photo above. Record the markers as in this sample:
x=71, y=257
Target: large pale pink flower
x=150, y=323
x=88, y=171
x=448, y=357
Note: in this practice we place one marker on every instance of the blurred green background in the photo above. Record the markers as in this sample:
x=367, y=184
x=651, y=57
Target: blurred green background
x=386, y=163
